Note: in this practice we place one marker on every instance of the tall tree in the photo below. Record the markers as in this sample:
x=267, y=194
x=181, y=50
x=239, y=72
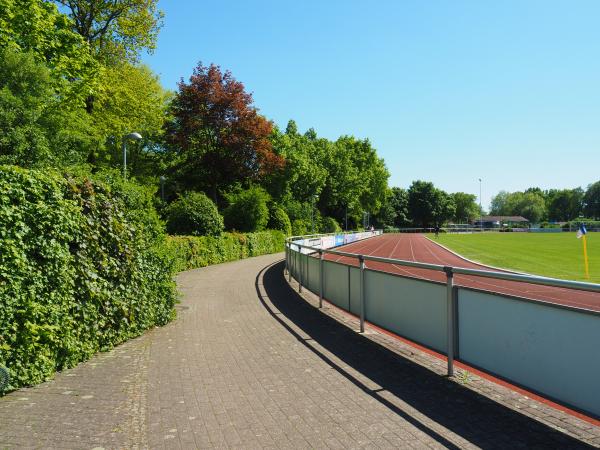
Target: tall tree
x=218, y=134
x=116, y=30
x=564, y=204
x=400, y=204
x=592, y=201
x=429, y=206
x=38, y=129
x=467, y=208
x=37, y=27
x=132, y=99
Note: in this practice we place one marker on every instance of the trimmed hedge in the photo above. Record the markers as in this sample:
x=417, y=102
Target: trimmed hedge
x=194, y=214
x=83, y=267
x=191, y=252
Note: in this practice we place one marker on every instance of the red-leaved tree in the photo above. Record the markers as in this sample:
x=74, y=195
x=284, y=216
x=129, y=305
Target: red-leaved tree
x=217, y=133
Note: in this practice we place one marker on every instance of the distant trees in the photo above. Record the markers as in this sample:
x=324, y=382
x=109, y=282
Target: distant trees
x=466, y=207
x=591, y=201
x=429, y=206
x=529, y=204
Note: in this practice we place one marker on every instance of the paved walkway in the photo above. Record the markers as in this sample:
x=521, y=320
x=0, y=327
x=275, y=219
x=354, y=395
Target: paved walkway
x=250, y=364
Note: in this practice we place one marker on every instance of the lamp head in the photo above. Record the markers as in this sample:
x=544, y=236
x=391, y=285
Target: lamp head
x=133, y=136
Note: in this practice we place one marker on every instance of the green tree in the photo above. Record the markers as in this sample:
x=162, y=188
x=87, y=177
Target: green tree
x=116, y=30
x=591, y=200
x=37, y=128
x=132, y=99
x=37, y=27
x=564, y=204
x=399, y=203
x=429, y=206
x=467, y=208
x=248, y=210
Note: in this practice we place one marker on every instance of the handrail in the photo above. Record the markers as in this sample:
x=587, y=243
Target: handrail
x=533, y=279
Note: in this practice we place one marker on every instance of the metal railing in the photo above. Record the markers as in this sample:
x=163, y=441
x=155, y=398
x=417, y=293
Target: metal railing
x=451, y=291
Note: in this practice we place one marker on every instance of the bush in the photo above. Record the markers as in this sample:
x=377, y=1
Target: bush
x=79, y=272
x=188, y=252
x=330, y=225
x=247, y=210
x=279, y=220
x=194, y=214
x=300, y=227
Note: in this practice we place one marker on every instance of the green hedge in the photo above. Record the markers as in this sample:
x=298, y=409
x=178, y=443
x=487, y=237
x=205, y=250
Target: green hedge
x=190, y=252
x=83, y=267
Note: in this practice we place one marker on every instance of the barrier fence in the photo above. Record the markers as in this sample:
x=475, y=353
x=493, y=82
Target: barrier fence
x=549, y=348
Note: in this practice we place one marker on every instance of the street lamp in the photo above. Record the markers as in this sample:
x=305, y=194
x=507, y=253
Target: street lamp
x=480, y=210
x=133, y=137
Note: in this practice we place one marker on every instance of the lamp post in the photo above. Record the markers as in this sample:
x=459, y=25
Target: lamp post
x=480, y=210
x=133, y=137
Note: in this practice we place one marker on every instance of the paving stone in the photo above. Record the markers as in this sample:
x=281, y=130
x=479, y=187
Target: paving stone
x=249, y=363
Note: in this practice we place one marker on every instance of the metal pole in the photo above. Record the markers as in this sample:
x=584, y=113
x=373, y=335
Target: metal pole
x=290, y=271
x=320, y=278
x=480, y=210
x=124, y=159
x=346, y=218
x=450, y=319
x=349, y=292
x=301, y=270
x=361, y=260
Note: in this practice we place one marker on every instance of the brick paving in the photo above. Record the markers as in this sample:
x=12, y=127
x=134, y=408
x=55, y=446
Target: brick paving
x=251, y=364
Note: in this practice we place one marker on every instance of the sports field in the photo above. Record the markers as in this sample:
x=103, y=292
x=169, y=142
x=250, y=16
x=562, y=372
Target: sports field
x=557, y=255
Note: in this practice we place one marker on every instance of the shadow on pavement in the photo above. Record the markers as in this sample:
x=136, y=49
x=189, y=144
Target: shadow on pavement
x=476, y=418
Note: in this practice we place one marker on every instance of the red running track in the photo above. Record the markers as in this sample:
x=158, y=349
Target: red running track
x=416, y=247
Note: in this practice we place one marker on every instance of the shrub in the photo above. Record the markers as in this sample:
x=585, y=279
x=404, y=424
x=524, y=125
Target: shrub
x=330, y=225
x=247, y=210
x=194, y=214
x=279, y=220
x=188, y=252
x=300, y=227
x=78, y=271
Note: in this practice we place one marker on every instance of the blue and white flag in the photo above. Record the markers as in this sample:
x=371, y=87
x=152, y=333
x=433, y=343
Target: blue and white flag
x=581, y=232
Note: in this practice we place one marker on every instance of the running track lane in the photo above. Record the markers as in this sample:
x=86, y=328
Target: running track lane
x=416, y=247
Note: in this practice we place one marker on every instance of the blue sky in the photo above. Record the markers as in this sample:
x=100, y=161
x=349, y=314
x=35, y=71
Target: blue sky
x=447, y=91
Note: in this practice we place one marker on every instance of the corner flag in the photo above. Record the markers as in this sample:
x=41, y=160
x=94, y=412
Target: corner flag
x=581, y=234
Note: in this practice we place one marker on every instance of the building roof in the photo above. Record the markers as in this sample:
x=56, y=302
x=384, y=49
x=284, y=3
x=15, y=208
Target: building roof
x=503, y=219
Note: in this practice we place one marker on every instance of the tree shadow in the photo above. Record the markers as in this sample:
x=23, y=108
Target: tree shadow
x=473, y=416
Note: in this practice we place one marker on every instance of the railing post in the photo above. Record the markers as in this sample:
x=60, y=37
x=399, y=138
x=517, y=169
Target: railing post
x=301, y=270
x=320, y=278
x=287, y=254
x=349, y=291
x=361, y=260
x=291, y=254
x=450, y=318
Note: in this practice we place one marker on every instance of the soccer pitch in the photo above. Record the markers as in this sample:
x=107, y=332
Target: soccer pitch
x=557, y=255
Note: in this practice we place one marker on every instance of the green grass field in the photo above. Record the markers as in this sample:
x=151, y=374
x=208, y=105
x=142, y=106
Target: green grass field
x=557, y=255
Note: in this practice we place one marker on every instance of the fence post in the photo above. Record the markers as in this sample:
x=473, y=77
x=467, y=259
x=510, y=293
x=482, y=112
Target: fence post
x=291, y=254
x=287, y=254
x=349, y=292
x=320, y=278
x=361, y=260
x=450, y=318
x=301, y=270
